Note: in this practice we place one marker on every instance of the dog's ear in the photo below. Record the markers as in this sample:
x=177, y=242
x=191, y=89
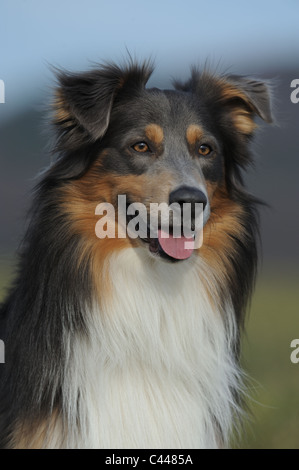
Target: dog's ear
x=244, y=98
x=83, y=101
x=238, y=98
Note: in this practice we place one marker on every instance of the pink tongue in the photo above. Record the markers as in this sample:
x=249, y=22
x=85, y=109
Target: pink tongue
x=178, y=248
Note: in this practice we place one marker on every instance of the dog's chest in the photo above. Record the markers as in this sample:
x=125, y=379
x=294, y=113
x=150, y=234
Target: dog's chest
x=156, y=371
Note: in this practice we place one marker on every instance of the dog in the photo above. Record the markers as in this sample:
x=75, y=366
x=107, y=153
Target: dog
x=121, y=342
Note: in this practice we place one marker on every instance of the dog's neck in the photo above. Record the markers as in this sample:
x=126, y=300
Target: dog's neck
x=159, y=354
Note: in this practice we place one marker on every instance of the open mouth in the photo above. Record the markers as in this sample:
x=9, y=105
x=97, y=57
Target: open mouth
x=165, y=244
x=170, y=247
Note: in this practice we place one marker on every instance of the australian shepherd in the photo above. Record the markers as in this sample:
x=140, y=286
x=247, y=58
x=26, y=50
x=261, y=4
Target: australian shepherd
x=133, y=341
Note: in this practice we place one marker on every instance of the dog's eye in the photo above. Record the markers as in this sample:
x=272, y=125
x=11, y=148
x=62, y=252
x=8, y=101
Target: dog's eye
x=141, y=147
x=204, y=150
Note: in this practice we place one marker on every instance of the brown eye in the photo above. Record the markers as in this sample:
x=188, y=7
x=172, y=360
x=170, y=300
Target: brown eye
x=204, y=150
x=141, y=147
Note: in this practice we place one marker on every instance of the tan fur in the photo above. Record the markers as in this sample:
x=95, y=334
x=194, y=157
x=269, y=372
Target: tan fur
x=154, y=133
x=224, y=223
x=193, y=134
x=45, y=434
x=243, y=122
x=229, y=91
x=81, y=198
x=241, y=118
x=62, y=114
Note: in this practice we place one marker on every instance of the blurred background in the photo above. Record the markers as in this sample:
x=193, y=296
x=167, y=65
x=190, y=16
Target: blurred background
x=256, y=38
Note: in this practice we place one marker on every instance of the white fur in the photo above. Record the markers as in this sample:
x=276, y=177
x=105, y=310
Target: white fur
x=156, y=366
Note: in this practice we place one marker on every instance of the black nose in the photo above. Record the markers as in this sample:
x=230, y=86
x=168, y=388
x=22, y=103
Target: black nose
x=188, y=194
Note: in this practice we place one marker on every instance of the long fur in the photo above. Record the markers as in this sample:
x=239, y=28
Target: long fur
x=106, y=346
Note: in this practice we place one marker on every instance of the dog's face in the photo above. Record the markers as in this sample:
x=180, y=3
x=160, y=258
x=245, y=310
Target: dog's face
x=168, y=155
x=182, y=146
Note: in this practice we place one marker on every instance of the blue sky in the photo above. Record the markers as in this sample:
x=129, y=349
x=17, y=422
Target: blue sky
x=248, y=35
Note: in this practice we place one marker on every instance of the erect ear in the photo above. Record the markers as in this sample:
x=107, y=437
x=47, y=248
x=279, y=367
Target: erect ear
x=241, y=97
x=84, y=101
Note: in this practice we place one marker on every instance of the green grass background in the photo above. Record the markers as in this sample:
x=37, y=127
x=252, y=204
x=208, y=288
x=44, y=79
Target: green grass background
x=273, y=322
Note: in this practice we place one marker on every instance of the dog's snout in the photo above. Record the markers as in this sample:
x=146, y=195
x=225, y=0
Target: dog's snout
x=188, y=194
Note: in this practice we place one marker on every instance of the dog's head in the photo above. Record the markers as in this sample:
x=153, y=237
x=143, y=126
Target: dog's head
x=184, y=146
